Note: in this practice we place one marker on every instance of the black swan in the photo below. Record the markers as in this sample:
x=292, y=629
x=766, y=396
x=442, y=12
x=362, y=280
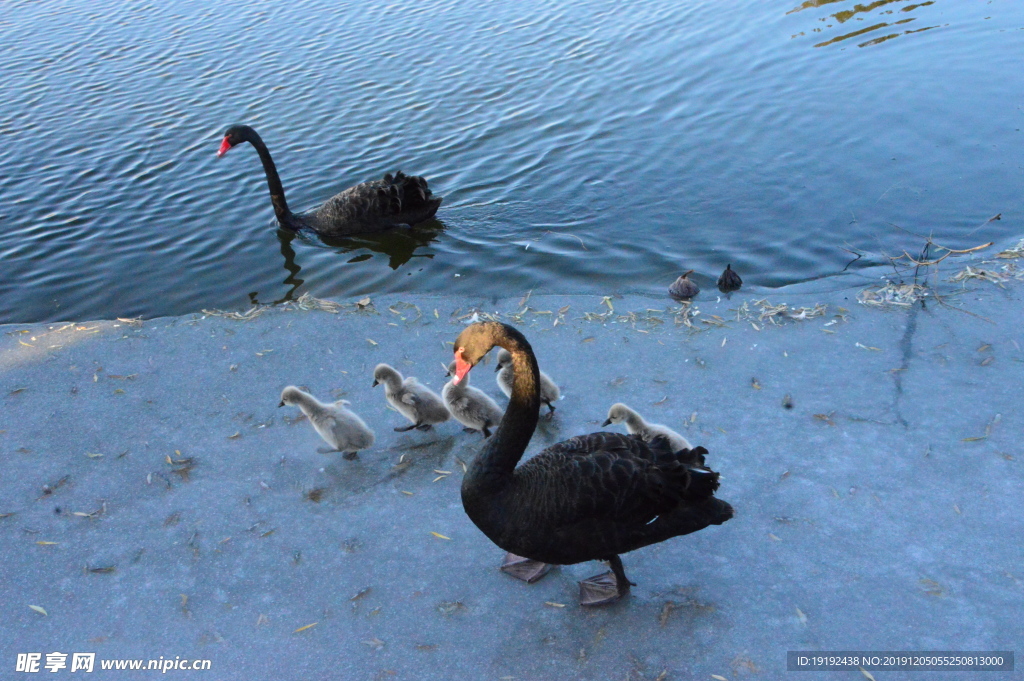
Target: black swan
x=591, y=497
x=729, y=281
x=683, y=288
x=396, y=201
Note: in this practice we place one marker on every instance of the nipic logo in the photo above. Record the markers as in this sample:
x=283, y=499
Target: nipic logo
x=30, y=662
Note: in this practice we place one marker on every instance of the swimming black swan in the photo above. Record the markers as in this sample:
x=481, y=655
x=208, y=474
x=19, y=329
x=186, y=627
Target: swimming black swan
x=396, y=201
x=729, y=281
x=591, y=497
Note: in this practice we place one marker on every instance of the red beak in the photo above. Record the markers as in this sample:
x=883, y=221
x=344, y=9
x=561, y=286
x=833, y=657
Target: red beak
x=224, y=146
x=462, y=367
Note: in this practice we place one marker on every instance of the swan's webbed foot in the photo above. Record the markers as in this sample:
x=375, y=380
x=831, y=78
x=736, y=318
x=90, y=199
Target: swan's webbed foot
x=607, y=587
x=486, y=432
x=525, y=569
x=348, y=456
x=403, y=429
x=600, y=589
x=551, y=411
x=424, y=426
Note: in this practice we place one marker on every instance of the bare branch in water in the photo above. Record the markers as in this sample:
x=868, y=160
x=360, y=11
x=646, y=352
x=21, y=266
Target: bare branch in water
x=998, y=216
x=859, y=256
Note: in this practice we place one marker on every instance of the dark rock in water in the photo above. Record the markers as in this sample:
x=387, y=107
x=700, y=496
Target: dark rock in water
x=729, y=281
x=682, y=288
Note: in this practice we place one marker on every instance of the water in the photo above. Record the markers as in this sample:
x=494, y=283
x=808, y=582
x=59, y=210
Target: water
x=581, y=147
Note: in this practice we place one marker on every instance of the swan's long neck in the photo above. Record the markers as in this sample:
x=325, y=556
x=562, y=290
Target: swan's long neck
x=493, y=467
x=273, y=179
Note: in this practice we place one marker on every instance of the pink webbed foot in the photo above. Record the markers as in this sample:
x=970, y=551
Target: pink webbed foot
x=606, y=587
x=525, y=569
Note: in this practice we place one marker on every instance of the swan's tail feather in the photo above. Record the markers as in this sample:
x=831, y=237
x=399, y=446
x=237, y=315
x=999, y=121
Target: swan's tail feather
x=411, y=194
x=719, y=511
x=688, y=518
x=389, y=199
x=712, y=512
x=703, y=483
x=694, y=457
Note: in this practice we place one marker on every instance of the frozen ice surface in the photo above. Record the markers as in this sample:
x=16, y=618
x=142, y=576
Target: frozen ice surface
x=880, y=512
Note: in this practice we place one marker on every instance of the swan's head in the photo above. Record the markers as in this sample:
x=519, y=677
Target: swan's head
x=384, y=373
x=475, y=341
x=617, y=413
x=291, y=395
x=232, y=136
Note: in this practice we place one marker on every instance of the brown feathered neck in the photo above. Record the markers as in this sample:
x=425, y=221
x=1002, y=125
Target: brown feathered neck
x=494, y=465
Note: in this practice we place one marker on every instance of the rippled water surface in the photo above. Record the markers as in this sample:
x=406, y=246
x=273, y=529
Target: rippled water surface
x=589, y=146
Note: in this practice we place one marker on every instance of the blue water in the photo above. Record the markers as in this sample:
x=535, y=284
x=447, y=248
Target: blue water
x=589, y=146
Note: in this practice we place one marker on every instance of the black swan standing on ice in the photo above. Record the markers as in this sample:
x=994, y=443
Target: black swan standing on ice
x=591, y=497
x=395, y=201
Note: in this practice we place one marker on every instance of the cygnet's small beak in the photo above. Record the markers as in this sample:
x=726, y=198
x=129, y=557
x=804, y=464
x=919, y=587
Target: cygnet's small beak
x=497, y=368
x=606, y=423
x=281, y=404
x=375, y=383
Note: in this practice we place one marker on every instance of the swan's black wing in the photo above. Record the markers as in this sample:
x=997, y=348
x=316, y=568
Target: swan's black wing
x=602, y=494
x=613, y=477
x=380, y=204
